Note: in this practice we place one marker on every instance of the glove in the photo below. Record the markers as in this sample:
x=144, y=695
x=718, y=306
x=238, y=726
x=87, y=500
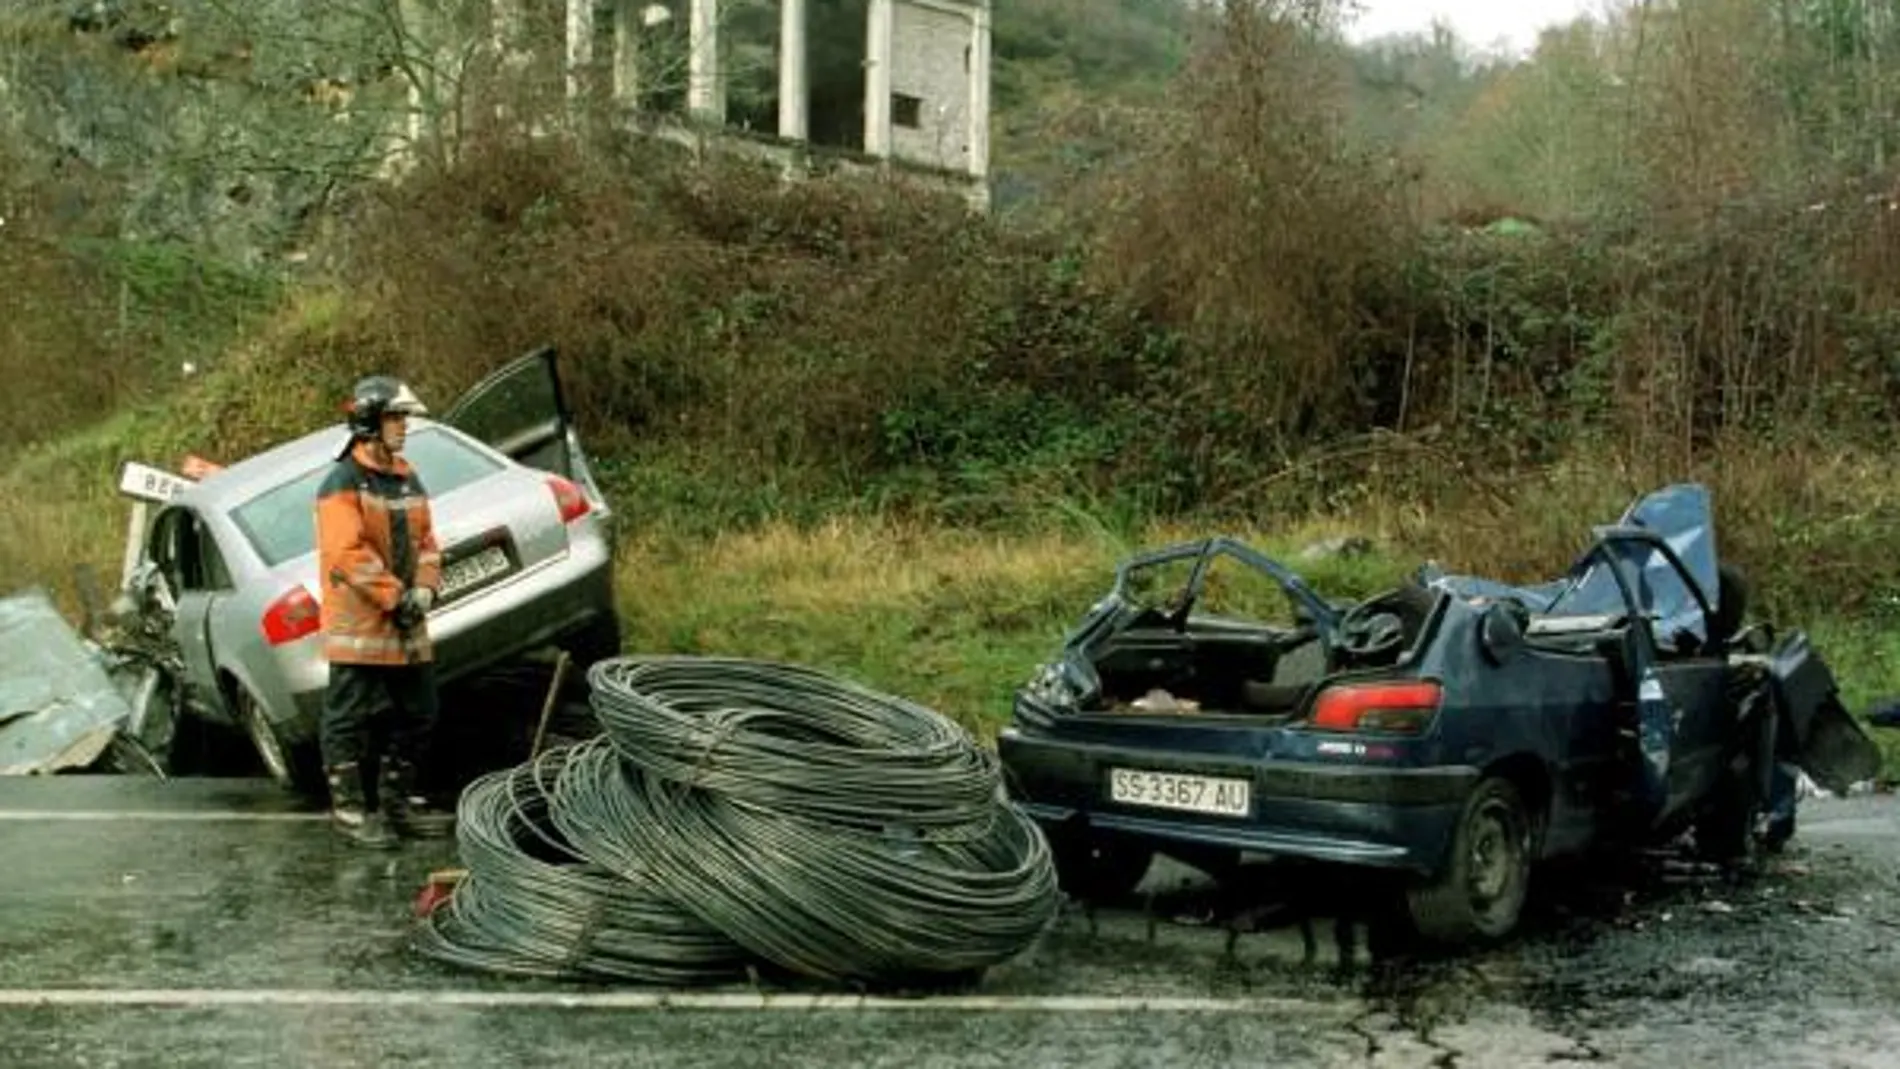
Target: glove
x=414, y=606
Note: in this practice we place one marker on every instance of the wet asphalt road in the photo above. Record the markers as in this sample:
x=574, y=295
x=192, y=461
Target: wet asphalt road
x=209, y=923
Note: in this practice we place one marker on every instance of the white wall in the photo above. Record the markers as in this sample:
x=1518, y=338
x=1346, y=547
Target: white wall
x=930, y=50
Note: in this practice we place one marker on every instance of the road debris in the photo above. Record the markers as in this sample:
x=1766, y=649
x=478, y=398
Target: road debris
x=1160, y=701
x=59, y=709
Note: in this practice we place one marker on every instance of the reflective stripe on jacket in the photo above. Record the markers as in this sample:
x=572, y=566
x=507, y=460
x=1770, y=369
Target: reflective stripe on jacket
x=375, y=539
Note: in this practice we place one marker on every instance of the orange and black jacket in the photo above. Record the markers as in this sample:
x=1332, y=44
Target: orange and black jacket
x=375, y=539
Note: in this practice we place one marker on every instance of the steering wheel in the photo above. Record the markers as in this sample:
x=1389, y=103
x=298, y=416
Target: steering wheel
x=1368, y=632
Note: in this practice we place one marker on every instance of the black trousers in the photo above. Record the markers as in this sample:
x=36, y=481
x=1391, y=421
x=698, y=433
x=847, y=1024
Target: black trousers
x=364, y=705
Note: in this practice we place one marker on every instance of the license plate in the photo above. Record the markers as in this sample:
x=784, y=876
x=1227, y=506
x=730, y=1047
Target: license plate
x=1175, y=790
x=468, y=571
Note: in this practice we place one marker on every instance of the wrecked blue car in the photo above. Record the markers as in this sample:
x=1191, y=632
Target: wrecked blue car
x=1452, y=732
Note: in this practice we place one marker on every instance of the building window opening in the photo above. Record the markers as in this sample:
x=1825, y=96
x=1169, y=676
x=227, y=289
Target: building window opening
x=907, y=111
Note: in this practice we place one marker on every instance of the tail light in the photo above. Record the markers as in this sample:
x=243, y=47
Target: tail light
x=293, y=616
x=571, y=501
x=1381, y=708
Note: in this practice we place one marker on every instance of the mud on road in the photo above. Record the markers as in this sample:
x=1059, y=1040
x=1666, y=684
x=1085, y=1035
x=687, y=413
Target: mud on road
x=210, y=923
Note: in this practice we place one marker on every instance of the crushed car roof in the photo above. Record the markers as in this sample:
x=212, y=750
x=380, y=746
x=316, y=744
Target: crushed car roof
x=1681, y=514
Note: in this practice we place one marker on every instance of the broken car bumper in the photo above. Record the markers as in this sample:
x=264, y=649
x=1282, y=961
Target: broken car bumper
x=1382, y=817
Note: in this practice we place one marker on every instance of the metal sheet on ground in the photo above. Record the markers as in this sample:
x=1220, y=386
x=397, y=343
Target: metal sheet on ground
x=58, y=708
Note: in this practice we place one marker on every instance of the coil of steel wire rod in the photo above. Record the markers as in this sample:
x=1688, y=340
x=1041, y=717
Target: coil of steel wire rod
x=833, y=903
x=532, y=906
x=795, y=741
x=829, y=830
x=836, y=831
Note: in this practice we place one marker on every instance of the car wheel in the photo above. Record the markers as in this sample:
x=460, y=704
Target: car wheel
x=1100, y=868
x=1481, y=892
x=290, y=765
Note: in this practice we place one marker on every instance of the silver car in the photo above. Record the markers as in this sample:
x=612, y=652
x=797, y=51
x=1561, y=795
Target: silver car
x=527, y=560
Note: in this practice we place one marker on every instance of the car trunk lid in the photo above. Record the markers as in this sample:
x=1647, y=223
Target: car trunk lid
x=490, y=531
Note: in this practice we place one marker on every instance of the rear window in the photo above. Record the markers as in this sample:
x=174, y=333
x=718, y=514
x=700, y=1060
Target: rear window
x=282, y=522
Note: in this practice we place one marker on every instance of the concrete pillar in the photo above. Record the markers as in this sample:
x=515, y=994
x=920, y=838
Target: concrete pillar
x=627, y=53
x=794, y=85
x=580, y=45
x=705, y=89
x=979, y=126
x=880, y=27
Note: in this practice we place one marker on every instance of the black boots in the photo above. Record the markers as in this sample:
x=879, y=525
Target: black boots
x=401, y=809
x=408, y=811
x=349, y=810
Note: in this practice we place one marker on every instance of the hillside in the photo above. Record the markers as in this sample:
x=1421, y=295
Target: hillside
x=1247, y=285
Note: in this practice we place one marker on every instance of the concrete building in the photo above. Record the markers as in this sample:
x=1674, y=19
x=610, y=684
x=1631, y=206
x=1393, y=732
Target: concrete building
x=925, y=69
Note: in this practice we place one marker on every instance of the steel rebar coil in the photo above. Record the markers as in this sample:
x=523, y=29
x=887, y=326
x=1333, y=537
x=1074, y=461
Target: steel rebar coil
x=794, y=741
x=534, y=906
x=741, y=811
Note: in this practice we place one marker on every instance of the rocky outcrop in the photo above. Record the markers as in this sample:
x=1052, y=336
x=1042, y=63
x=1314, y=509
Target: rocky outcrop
x=157, y=121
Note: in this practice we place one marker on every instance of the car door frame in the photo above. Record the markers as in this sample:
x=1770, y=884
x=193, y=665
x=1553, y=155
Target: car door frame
x=193, y=608
x=1668, y=690
x=520, y=443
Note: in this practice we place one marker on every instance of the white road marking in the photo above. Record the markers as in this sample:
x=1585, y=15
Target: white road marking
x=197, y=998
x=100, y=815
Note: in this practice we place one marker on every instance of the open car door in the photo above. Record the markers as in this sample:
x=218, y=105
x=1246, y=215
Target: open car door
x=521, y=411
x=187, y=557
x=1677, y=678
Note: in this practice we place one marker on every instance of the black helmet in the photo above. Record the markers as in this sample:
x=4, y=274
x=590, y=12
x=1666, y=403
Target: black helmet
x=378, y=396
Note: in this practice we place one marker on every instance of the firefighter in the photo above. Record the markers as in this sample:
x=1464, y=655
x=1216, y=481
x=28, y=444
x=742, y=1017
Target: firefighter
x=380, y=569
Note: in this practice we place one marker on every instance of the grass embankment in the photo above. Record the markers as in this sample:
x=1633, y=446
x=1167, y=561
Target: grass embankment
x=953, y=617
x=810, y=398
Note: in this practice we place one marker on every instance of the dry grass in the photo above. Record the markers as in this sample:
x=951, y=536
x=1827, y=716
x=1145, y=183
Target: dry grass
x=43, y=544
x=952, y=618
x=62, y=508
x=1811, y=524
x=63, y=512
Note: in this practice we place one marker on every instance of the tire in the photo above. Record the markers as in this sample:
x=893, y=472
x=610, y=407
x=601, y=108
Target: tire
x=1480, y=894
x=1100, y=868
x=295, y=767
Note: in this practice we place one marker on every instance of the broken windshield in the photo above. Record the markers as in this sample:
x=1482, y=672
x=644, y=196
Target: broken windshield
x=1663, y=594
